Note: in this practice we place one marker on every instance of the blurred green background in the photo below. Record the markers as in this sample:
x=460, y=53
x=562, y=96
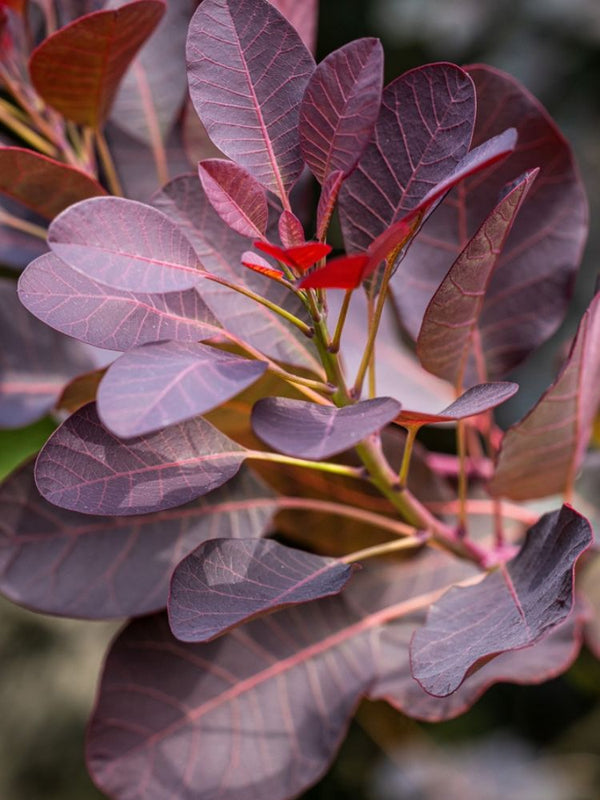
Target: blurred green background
x=526, y=743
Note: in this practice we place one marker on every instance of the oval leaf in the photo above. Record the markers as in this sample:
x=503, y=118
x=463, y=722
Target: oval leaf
x=475, y=400
x=126, y=245
x=162, y=383
x=423, y=130
x=247, y=70
x=340, y=107
x=450, y=323
x=42, y=184
x=77, y=565
x=85, y=468
x=111, y=318
x=236, y=196
x=542, y=453
x=545, y=243
x=224, y=583
x=509, y=610
x=307, y=430
x=77, y=70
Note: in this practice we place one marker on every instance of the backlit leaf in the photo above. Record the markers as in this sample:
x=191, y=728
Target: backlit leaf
x=77, y=565
x=475, y=400
x=77, y=70
x=85, y=468
x=162, y=383
x=126, y=245
x=114, y=319
x=225, y=582
x=507, y=610
x=247, y=70
x=542, y=453
x=303, y=16
x=307, y=430
x=42, y=184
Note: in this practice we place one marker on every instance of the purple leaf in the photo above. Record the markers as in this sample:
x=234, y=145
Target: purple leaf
x=236, y=196
x=476, y=400
x=85, y=468
x=509, y=610
x=542, y=453
x=247, y=70
x=448, y=332
x=62, y=562
x=307, y=430
x=111, y=318
x=154, y=88
x=224, y=583
x=423, y=130
x=302, y=16
x=541, y=662
x=340, y=107
x=532, y=283
x=36, y=366
x=162, y=383
x=126, y=245
x=77, y=69
x=220, y=250
x=290, y=230
x=42, y=184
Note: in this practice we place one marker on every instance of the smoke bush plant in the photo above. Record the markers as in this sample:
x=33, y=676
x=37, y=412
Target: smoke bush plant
x=264, y=386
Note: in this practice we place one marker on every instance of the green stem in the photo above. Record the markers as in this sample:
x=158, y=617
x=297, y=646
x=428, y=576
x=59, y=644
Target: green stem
x=411, y=435
x=12, y=121
x=373, y=328
x=335, y=342
x=112, y=178
x=384, y=549
x=322, y=466
x=300, y=324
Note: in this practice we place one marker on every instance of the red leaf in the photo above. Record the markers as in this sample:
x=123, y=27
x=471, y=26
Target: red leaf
x=42, y=184
x=290, y=228
x=343, y=272
x=77, y=70
x=299, y=258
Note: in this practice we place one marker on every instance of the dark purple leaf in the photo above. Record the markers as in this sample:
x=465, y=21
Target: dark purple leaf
x=258, y=713
x=423, y=130
x=307, y=430
x=220, y=250
x=533, y=280
x=247, y=70
x=340, y=107
x=162, y=383
x=35, y=362
x=509, y=610
x=85, y=468
x=224, y=583
x=77, y=565
x=111, y=318
x=154, y=88
x=126, y=245
x=42, y=184
x=541, y=662
x=449, y=329
x=236, y=196
x=77, y=70
x=290, y=229
x=303, y=16
x=475, y=400
x=542, y=453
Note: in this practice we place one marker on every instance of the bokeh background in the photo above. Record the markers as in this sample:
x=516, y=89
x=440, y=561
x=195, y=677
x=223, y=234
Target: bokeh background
x=527, y=743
